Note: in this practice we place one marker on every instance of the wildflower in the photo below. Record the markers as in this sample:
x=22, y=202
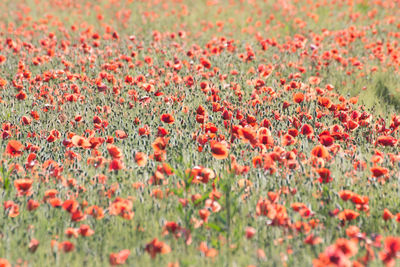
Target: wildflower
x=219, y=150
x=119, y=257
x=157, y=247
x=23, y=186
x=13, y=148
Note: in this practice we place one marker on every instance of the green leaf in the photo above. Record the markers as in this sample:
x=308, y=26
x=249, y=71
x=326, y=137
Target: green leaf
x=214, y=226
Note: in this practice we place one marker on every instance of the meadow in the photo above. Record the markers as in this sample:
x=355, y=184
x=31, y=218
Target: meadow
x=199, y=133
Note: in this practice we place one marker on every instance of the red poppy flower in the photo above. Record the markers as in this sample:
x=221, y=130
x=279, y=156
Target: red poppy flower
x=80, y=141
x=84, y=230
x=345, y=194
x=66, y=246
x=23, y=186
x=348, y=215
x=119, y=258
x=205, y=62
x=13, y=148
x=167, y=118
x=121, y=134
x=70, y=205
x=312, y=240
x=12, y=208
x=320, y=152
x=33, y=245
x=387, y=215
x=293, y=132
x=161, y=132
x=4, y=263
x=114, y=151
x=155, y=247
x=208, y=252
x=386, y=140
x=248, y=135
x=219, y=150
x=324, y=175
x=32, y=205
x=298, y=97
x=160, y=144
x=288, y=140
x=21, y=95
x=141, y=159
x=250, y=232
x=95, y=211
x=324, y=101
x=326, y=140
x=307, y=130
x=116, y=165
x=379, y=171
x=391, y=250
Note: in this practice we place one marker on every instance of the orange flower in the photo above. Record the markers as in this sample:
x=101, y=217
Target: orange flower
x=160, y=144
x=348, y=247
x=70, y=205
x=155, y=247
x=4, y=263
x=298, y=97
x=80, y=141
x=114, y=151
x=122, y=207
x=201, y=174
x=324, y=101
x=141, y=159
x=391, y=250
x=352, y=231
x=13, y=148
x=359, y=200
x=121, y=134
x=208, y=252
x=320, y=152
x=288, y=140
x=312, y=240
x=84, y=230
x=348, y=215
x=119, y=258
x=2, y=59
x=12, y=208
x=219, y=150
x=332, y=256
x=387, y=215
x=345, y=194
x=95, y=212
x=314, y=80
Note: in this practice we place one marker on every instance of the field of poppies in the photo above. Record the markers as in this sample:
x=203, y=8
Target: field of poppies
x=199, y=133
